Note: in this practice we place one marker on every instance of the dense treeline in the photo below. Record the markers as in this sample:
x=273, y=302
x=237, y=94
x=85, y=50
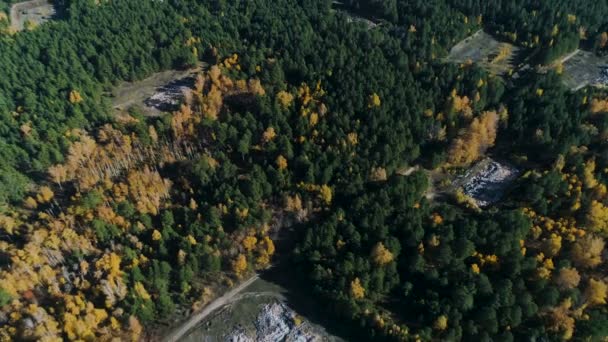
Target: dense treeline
x=387, y=245
x=136, y=221
x=549, y=28
x=425, y=19
x=95, y=45
x=545, y=119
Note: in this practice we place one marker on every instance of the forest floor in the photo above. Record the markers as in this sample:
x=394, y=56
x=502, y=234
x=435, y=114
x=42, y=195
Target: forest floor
x=584, y=68
x=481, y=48
x=35, y=11
x=159, y=93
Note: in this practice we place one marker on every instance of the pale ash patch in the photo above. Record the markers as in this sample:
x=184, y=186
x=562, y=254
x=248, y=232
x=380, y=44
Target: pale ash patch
x=487, y=181
x=275, y=322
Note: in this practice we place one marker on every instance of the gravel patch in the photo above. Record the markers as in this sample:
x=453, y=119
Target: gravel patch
x=487, y=181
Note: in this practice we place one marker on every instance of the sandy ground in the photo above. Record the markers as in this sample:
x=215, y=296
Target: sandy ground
x=583, y=68
x=35, y=11
x=137, y=94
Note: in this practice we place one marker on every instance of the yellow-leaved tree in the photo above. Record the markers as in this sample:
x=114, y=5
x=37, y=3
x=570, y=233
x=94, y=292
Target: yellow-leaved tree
x=239, y=265
x=281, y=163
x=381, y=255
x=45, y=195
x=75, y=97
x=596, y=292
x=597, y=217
x=441, y=323
x=285, y=98
x=587, y=251
x=326, y=193
x=249, y=243
x=567, y=278
x=560, y=319
x=475, y=140
x=374, y=101
x=269, y=134
x=356, y=289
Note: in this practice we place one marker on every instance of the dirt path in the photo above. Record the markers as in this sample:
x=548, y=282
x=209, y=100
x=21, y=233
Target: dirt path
x=570, y=55
x=408, y=171
x=193, y=321
x=431, y=191
x=18, y=19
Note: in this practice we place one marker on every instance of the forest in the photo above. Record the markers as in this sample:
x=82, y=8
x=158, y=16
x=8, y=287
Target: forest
x=110, y=225
x=549, y=29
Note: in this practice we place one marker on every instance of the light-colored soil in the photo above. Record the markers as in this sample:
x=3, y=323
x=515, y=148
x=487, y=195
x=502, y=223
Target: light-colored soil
x=584, y=68
x=484, y=50
x=137, y=94
x=239, y=319
x=34, y=11
x=487, y=181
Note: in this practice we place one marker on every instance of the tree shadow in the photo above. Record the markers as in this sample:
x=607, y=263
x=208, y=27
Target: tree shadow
x=300, y=297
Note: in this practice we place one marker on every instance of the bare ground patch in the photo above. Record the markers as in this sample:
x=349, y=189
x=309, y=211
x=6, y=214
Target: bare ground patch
x=260, y=313
x=487, y=181
x=34, y=12
x=159, y=93
x=584, y=68
x=481, y=48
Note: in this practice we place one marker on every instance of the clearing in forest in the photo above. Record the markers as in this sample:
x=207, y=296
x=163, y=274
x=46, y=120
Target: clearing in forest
x=584, y=68
x=161, y=92
x=261, y=312
x=34, y=13
x=487, y=181
x=352, y=17
x=481, y=48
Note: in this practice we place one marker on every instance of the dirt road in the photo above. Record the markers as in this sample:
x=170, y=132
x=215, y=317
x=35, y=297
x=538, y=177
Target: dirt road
x=193, y=321
x=570, y=55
